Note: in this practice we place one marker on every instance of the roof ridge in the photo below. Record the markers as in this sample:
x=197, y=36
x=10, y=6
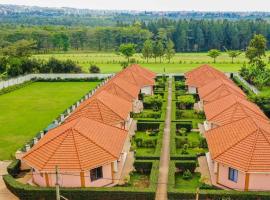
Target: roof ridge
x=252, y=150
x=95, y=143
x=223, y=110
x=122, y=89
x=100, y=111
x=110, y=108
x=233, y=145
x=55, y=148
x=211, y=91
x=75, y=145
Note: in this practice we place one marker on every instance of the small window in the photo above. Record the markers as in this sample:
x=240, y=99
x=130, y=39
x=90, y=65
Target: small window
x=96, y=174
x=233, y=174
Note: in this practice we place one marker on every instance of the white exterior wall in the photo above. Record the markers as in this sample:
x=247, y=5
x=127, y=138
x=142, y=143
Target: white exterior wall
x=192, y=90
x=147, y=90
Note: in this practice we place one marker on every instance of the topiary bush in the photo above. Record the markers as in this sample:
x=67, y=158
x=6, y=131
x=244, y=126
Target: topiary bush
x=187, y=175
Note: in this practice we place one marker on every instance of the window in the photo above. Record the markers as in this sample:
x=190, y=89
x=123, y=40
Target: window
x=96, y=174
x=233, y=174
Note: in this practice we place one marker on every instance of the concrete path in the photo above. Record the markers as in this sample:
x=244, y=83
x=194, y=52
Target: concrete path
x=5, y=194
x=161, y=193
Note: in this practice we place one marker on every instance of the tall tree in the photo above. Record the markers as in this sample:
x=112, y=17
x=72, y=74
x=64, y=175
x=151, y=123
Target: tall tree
x=256, y=48
x=159, y=50
x=147, y=50
x=233, y=54
x=214, y=53
x=128, y=50
x=169, y=52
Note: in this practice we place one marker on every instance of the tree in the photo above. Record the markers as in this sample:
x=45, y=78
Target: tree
x=3, y=64
x=159, y=50
x=186, y=101
x=233, y=54
x=21, y=48
x=94, y=69
x=170, y=52
x=256, y=48
x=147, y=50
x=128, y=50
x=214, y=53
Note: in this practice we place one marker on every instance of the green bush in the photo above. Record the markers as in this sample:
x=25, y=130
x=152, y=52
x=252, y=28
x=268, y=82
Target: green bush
x=14, y=168
x=149, y=143
x=180, y=142
x=203, y=143
x=153, y=101
x=187, y=175
x=184, y=150
x=187, y=125
x=143, y=166
x=184, y=165
x=142, y=126
x=186, y=101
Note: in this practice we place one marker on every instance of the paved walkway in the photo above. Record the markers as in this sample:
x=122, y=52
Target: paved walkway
x=5, y=194
x=204, y=170
x=161, y=193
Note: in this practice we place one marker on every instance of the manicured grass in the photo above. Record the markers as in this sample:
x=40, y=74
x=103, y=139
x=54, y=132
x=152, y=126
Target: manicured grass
x=190, y=184
x=181, y=62
x=139, y=180
x=26, y=111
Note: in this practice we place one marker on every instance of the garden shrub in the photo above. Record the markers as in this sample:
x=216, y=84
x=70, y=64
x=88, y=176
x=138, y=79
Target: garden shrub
x=179, y=142
x=203, y=143
x=180, y=85
x=143, y=166
x=187, y=175
x=147, y=114
x=149, y=143
x=184, y=165
x=141, y=126
x=186, y=101
x=185, y=148
x=154, y=102
x=179, y=114
x=14, y=167
x=94, y=69
x=187, y=125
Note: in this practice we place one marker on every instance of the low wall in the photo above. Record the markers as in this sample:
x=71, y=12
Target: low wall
x=22, y=79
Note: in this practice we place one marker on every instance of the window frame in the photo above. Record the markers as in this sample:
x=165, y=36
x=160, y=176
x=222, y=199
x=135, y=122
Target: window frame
x=233, y=175
x=96, y=174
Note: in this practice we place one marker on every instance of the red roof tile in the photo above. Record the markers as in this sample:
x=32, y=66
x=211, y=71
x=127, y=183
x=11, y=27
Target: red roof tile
x=231, y=108
x=78, y=145
x=203, y=75
x=103, y=107
x=140, y=70
x=217, y=89
x=243, y=144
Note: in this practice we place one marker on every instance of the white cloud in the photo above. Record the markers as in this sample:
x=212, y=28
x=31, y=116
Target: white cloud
x=178, y=5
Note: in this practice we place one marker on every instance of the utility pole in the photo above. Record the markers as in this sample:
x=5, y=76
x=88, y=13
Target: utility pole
x=57, y=187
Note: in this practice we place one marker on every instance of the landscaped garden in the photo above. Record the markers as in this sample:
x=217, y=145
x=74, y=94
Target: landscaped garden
x=28, y=110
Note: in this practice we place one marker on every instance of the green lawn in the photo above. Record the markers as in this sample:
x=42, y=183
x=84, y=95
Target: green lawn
x=190, y=184
x=26, y=111
x=181, y=62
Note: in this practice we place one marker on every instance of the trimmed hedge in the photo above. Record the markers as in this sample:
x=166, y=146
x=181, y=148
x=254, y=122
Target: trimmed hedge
x=14, y=168
x=28, y=192
x=94, y=79
x=187, y=125
x=143, y=126
x=186, y=165
x=14, y=87
x=143, y=166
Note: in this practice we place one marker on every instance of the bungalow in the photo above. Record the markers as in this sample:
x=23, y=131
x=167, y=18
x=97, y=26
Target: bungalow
x=228, y=109
x=217, y=89
x=124, y=90
x=146, y=84
x=201, y=76
x=106, y=108
x=239, y=155
x=87, y=153
x=140, y=70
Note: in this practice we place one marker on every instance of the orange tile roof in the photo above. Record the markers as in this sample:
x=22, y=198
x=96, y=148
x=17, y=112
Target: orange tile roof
x=139, y=69
x=203, y=75
x=135, y=78
x=231, y=108
x=121, y=88
x=243, y=144
x=219, y=88
x=78, y=145
x=103, y=107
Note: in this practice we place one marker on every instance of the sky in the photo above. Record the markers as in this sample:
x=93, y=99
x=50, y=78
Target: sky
x=158, y=5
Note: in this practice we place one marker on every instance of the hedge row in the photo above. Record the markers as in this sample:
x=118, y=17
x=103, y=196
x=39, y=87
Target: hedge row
x=14, y=87
x=90, y=79
x=143, y=126
x=14, y=168
x=28, y=192
x=186, y=165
